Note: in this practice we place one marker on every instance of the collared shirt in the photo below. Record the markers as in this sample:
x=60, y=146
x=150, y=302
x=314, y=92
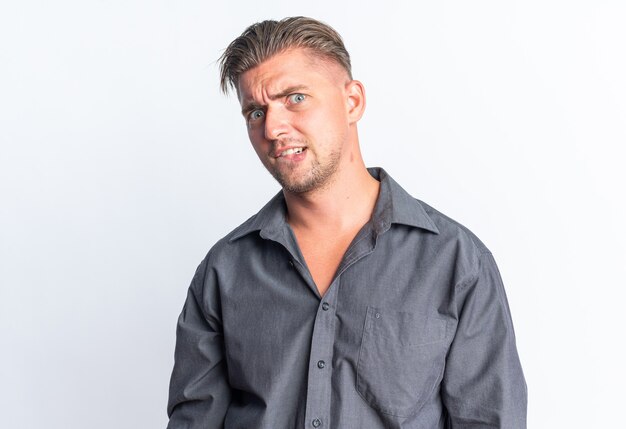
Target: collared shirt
x=413, y=332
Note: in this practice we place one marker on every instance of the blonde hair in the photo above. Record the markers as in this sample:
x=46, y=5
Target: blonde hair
x=265, y=39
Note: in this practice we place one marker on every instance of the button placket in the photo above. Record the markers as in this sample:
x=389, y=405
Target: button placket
x=320, y=368
x=318, y=407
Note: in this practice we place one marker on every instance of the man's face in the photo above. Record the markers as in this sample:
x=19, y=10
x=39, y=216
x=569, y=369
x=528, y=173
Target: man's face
x=296, y=110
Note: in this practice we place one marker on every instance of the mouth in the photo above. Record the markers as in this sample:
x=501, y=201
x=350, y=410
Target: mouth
x=290, y=151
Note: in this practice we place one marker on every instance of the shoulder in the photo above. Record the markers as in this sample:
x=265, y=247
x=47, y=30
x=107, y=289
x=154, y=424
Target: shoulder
x=402, y=208
x=456, y=248
x=244, y=238
x=221, y=258
x=451, y=229
x=233, y=241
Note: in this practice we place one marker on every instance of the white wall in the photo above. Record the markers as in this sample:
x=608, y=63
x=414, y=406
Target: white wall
x=121, y=164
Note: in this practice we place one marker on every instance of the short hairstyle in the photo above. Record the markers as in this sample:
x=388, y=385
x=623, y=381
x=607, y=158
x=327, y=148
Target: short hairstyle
x=265, y=39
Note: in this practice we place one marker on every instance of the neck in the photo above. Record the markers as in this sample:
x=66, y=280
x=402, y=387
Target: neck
x=345, y=203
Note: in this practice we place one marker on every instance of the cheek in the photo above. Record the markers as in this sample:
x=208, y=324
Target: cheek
x=258, y=142
x=333, y=116
x=256, y=136
x=316, y=123
x=328, y=126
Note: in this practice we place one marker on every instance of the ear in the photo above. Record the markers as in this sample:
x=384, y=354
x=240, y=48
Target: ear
x=355, y=98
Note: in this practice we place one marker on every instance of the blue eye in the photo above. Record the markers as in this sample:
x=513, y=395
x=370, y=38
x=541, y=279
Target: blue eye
x=256, y=115
x=296, y=98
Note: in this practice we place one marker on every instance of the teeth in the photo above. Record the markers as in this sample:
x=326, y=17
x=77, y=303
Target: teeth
x=291, y=151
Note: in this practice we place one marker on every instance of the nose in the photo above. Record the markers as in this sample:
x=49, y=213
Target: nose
x=276, y=123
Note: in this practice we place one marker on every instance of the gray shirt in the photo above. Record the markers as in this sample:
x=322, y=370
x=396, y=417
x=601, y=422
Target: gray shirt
x=413, y=332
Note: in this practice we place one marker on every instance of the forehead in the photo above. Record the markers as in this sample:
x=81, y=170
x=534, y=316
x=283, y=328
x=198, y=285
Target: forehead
x=293, y=67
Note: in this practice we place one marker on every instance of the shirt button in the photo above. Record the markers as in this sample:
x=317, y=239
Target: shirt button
x=325, y=306
x=291, y=263
x=316, y=423
x=321, y=364
x=377, y=315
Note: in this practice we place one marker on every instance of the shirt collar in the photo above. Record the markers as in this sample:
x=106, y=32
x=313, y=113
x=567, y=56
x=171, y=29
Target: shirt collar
x=394, y=205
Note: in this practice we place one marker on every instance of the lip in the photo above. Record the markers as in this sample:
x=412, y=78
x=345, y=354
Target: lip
x=277, y=152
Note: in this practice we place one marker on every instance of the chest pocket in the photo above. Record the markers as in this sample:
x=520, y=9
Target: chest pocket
x=401, y=360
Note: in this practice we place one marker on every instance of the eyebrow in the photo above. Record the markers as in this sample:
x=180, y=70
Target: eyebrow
x=251, y=106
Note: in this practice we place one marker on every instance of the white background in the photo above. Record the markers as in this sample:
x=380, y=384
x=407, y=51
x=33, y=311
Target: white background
x=121, y=164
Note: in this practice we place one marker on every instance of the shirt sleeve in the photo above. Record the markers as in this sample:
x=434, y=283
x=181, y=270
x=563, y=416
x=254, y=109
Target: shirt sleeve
x=199, y=393
x=483, y=384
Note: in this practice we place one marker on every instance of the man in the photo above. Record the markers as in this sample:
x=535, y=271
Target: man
x=344, y=302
